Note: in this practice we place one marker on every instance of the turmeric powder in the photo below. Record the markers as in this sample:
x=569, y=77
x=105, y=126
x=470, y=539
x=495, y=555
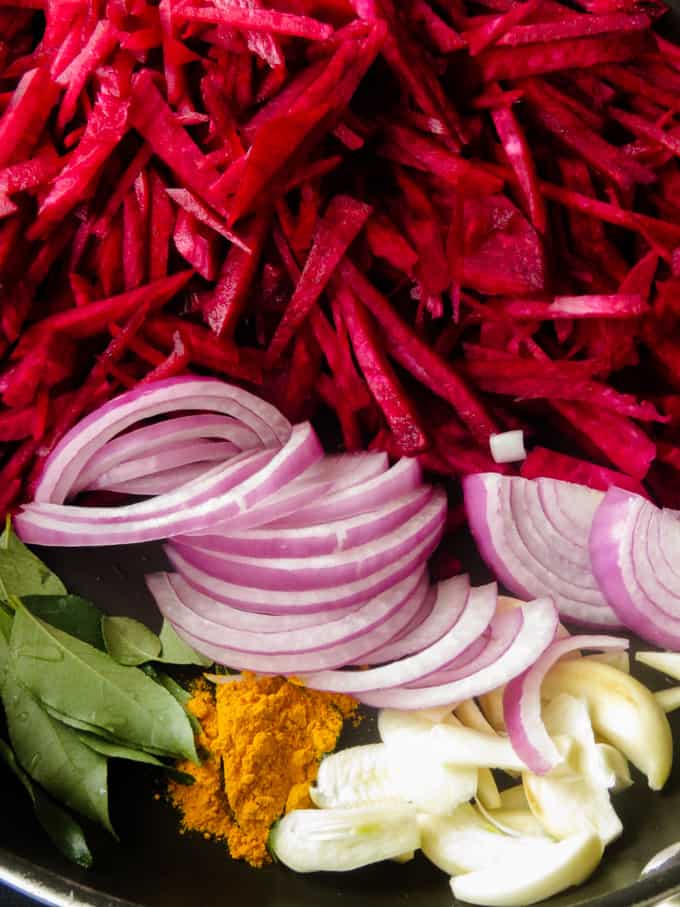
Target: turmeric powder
x=264, y=738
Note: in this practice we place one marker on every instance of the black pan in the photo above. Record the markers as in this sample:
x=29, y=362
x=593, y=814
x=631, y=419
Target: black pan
x=155, y=866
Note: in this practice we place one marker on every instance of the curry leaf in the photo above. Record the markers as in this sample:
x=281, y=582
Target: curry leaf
x=62, y=829
x=181, y=777
x=128, y=641
x=53, y=755
x=5, y=631
x=118, y=750
x=70, y=613
x=182, y=696
x=175, y=689
x=6, y=618
x=175, y=651
x=178, y=692
x=84, y=727
x=91, y=687
x=21, y=572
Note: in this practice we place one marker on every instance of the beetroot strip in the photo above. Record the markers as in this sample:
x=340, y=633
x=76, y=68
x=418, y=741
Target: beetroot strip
x=572, y=53
x=415, y=356
x=24, y=119
x=224, y=305
x=575, y=27
x=104, y=131
x=516, y=148
x=94, y=318
x=153, y=119
x=260, y=20
x=478, y=39
x=336, y=231
x=380, y=376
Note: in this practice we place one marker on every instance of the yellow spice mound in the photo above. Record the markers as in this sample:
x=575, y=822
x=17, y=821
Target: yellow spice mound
x=263, y=738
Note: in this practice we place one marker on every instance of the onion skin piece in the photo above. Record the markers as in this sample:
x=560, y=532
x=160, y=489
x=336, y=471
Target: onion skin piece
x=623, y=712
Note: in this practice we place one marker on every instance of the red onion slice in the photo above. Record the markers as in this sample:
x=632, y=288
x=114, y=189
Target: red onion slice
x=172, y=458
x=657, y=579
x=570, y=512
x=522, y=702
x=66, y=461
x=219, y=613
x=265, y=601
x=151, y=439
x=398, y=615
x=612, y=539
x=162, y=482
x=347, y=470
x=405, y=476
x=317, y=483
x=539, y=624
x=201, y=489
x=473, y=651
x=540, y=535
x=525, y=548
x=195, y=506
x=300, y=454
x=269, y=542
x=323, y=570
x=482, y=653
x=39, y=520
x=665, y=541
x=424, y=611
x=475, y=618
x=443, y=616
x=300, y=641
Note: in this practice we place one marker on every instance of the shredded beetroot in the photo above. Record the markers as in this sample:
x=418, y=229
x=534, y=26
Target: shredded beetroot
x=428, y=221
x=335, y=232
x=554, y=465
x=380, y=377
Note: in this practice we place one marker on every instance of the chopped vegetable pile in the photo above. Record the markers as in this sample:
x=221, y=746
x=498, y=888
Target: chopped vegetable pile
x=420, y=224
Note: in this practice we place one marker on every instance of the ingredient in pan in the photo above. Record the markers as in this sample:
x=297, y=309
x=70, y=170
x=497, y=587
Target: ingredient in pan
x=73, y=699
x=264, y=737
x=297, y=195
x=606, y=558
x=510, y=848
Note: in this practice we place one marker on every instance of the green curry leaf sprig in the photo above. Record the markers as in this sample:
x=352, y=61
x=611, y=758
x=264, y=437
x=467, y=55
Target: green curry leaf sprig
x=75, y=696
